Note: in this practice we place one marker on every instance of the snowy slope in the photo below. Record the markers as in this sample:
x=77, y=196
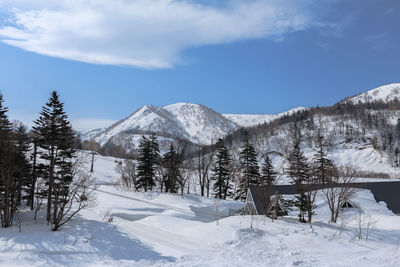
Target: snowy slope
x=201, y=123
x=193, y=122
x=383, y=93
x=89, y=134
x=123, y=228
x=196, y=123
x=248, y=120
x=159, y=229
x=145, y=119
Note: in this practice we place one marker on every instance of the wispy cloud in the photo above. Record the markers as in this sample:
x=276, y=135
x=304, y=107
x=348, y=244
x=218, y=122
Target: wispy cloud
x=143, y=33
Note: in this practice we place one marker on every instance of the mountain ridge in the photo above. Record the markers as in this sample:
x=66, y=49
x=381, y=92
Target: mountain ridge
x=196, y=123
x=385, y=93
x=202, y=125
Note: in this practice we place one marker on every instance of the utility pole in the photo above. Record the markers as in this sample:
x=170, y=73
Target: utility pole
x=91, y=167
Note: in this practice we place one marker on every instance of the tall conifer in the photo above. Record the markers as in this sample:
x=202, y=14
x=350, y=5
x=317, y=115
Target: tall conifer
x=299, y=171
x=172, y=163
x=268, y=174
x=322, y=164
x=55, y=138
x=250, y=173
x=148, y=160
x=9, y=186
x=221, y=173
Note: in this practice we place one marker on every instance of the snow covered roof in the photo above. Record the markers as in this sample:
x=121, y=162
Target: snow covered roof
x=382, y=191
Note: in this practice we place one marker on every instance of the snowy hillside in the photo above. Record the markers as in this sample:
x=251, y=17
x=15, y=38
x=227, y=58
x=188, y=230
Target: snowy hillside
x=202, y=124
x=248, y=120
x=124, y=228
x=89, y=134
x=192, y=122
x=196, y=123
x=145, y=119
x=383, y=93
x=354, y=139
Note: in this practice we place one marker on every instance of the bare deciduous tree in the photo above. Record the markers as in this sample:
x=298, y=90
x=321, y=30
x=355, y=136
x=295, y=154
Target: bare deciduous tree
x=204, y=161
x=127, y=172
x=76, y=196
x=186, y=172
x=369, y=226
x=339, y=190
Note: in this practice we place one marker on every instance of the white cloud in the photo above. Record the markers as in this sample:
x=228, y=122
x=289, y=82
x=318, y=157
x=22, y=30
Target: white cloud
x=143, y=33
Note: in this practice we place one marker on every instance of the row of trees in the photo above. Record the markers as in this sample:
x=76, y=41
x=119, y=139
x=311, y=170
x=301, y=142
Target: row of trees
x=153, y=169
x=41, y=166
x=248, y=171
x=216, y=171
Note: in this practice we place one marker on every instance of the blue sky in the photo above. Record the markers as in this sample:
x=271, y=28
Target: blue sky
x=253, y=56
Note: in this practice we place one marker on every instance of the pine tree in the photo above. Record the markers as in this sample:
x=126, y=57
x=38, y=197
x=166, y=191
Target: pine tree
x=5, y=124
x=64, y=174
x=298, y=167
x=9, y=186
x=299, y=171
x=22, y=173
x=172, y=163
x=250, y=174
x=322, y=164
x=268, y=174
x=221, y=173
x=56, y=139
x=35, y=169
x=148, y=160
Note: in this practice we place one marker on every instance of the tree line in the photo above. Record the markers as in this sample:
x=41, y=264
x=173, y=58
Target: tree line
x=216, y=171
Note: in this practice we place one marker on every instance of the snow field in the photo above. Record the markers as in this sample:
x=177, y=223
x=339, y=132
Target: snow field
x=158, y=229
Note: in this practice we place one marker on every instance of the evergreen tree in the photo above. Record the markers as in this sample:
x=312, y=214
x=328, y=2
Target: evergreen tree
x=22, y=173
x=55, y=138
x=5, y=124
x=172, y=163
x=322, y=164
x=299, y=171
x=222, y=171
x=250, y=174
x=298, y=168
x=9, y=186
x=268, y=174
x=148, y=160
x=35, y=169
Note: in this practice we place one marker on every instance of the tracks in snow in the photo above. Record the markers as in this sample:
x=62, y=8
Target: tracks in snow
x=163, y=241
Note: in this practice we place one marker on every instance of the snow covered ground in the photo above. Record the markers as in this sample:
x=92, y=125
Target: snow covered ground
x=158, y=229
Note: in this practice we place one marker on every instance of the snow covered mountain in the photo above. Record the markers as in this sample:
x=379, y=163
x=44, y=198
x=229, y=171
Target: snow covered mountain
x=202, y=124
x=362, y=136
x=383, y=93
x=196, y=123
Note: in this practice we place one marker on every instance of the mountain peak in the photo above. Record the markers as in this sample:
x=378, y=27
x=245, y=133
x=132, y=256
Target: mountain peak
x=194, y=122
x=385, y=93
